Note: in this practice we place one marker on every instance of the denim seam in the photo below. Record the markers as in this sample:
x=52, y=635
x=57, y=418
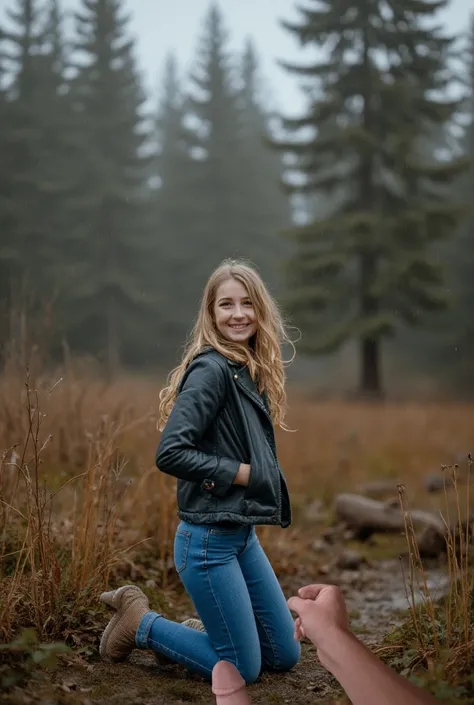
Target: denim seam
x=217, y=601
x=247, y=541
x=169, y=651
x=184, y=558
x=276, y=662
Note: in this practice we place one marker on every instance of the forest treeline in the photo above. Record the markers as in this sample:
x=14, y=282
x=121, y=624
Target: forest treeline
x=113, y=210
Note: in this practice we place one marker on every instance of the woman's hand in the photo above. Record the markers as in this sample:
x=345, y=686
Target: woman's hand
x=242, y=477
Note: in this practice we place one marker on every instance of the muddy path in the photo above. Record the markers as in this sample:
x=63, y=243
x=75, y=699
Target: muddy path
x=376, y=599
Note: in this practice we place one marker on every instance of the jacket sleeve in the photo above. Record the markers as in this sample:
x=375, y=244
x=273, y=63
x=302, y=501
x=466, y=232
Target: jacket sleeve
x=200, y=399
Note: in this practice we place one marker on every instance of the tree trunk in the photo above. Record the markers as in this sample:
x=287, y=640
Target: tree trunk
x=370, y=376
x=113, y=352
x=370, y=379
x=362, y=513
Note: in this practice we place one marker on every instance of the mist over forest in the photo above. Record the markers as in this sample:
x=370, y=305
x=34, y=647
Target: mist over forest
x=114, y=209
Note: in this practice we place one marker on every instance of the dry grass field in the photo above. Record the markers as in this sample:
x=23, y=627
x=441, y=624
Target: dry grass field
x=83, y=506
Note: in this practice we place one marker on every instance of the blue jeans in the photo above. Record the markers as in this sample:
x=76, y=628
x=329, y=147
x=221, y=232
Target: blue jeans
x=236, y=594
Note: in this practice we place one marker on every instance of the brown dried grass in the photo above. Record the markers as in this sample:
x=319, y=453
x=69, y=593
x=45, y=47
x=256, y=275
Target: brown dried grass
x=78, y=484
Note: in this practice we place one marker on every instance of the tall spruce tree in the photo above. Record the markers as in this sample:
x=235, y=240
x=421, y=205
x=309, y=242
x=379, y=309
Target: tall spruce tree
x=266, y=209
x=216, y=188
x=7, y=221
x=173, y=171
x=23, y=235
x=461, y=358
x=199, y=200
x=57, y=151
x=173, y=156
x=108, y=247
x=367, y=268
x=444, y=350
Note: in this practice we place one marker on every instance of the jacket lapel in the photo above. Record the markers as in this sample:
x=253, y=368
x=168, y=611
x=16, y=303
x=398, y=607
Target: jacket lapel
x=243, y=379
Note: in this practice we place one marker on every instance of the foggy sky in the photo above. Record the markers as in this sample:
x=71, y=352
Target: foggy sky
x=161, y=26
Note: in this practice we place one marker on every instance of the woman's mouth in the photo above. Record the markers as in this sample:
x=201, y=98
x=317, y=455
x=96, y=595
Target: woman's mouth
x=238, y=326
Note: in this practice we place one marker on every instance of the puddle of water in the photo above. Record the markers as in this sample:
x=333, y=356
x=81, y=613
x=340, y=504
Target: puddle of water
x=384, y=596
x=437, y=585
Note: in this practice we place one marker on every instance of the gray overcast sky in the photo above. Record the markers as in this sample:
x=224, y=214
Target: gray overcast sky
x=160, y=26
x=164, y=25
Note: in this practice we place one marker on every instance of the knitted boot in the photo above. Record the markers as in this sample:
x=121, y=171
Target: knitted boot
x=118, y=639
x=194, y=624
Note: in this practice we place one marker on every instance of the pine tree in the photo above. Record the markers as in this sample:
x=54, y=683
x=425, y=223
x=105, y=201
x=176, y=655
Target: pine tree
x=57, y=151
x=172, y=156
x=7, y=249
x=174, y=219
x=23, y=254
x=367, y=268
x=266, y=209
x=108, y=247
x=216, y=187
x=460, y=355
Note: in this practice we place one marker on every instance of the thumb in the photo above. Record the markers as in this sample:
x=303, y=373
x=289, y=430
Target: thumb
x=311, y=592
x=296, y=604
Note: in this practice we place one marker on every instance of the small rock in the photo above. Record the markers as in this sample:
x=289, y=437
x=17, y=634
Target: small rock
x=349, y=535
x=435, y=483
x=320, y=545
x=372, y=597
x=349, y=560
x=349, y=577
x=315, y=511
x=430, y=543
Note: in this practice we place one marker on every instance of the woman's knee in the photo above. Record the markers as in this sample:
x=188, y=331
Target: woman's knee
x=288, y=655
x=250, y=672
x=249, y=667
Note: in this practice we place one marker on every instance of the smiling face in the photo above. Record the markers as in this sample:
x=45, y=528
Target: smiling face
x=234, y=314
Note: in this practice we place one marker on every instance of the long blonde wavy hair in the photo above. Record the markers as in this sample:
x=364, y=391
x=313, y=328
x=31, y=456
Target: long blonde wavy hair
x=263, y=356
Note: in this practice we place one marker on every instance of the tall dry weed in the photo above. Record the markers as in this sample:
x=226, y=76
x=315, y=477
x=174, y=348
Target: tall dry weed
x=79, y=485
x=441, y=629
x=68, y=514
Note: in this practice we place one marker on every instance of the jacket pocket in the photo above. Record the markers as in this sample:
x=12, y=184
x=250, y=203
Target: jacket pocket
x=181, y=547
x=262, y=491
x=232, y=436
x=253, y=482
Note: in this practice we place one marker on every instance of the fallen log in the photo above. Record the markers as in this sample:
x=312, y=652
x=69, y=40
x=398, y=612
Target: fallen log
x=367, y=516
x=364, y=516
x=378, y=488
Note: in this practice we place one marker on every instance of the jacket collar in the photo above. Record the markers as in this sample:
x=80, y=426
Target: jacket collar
x=241, y=375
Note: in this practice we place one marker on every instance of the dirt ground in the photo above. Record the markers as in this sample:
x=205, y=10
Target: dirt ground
x=375, y=595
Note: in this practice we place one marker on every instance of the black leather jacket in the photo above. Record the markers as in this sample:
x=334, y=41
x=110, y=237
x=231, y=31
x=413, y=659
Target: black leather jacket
x=218, y=421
